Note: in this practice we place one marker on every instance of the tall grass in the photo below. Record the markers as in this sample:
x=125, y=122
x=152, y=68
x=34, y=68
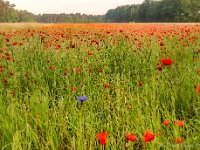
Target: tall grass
x=43, y=113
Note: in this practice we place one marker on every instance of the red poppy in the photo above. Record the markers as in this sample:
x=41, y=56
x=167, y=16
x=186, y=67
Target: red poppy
x=12, y=93
x=73, y=89
x=166, y=123
x=8, y=57
x=73, y=46
x=102, y=136
x=66, y=72
x=90, y=70
x=140, y=84
x=14, y=43
x=148, y=136
x=51, y=67
x=4, y=80
x=179, y=141
x=26, y=74
x=1, y=69
x=166, y=61
x=11, y=73
x=131, y=137
x=100, y=70
x=77, y=69
x=159, y=68
x=107, y=85
x=162, y=44
x=198, y=89
x=66, y=69
x=180, y=123
x=198, y=71
x=139, y=45
x=89, y=53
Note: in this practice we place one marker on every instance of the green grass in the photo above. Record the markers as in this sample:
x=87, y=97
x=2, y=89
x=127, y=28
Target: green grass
x=44, y=114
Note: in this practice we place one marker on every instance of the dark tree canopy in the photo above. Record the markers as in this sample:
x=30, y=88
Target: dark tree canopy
x=157, y=11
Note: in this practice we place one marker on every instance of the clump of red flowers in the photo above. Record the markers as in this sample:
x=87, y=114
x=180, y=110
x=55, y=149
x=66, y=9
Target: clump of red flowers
x=131, y=137
x=166, y=62
x=102, y=137
x=148, y=136
x=180, y=123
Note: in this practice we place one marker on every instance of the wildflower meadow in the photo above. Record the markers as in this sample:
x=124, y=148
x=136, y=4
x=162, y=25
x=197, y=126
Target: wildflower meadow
x=100, y=87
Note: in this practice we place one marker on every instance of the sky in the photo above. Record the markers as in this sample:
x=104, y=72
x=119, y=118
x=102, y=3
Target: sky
x=96, y=7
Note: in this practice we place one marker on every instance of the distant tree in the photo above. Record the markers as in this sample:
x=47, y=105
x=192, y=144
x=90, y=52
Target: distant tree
x=25, y=16
x=7, y=12
x=69, y=18
x=126, y=13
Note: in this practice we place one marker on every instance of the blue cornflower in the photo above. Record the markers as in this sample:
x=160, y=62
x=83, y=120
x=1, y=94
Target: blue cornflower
x=81, y=98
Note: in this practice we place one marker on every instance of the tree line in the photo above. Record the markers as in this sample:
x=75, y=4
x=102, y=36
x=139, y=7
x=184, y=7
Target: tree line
x=69, y=18
x=148, y=11
x=157, y=11
x=8, y=13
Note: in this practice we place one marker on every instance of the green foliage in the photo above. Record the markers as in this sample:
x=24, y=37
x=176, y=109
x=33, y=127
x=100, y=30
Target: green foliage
x=25, y=16
x=69, y=18
x=157, y=11
x=9, y=14
x=125, y=13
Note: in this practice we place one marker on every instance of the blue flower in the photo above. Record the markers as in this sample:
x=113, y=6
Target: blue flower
x=81, y=98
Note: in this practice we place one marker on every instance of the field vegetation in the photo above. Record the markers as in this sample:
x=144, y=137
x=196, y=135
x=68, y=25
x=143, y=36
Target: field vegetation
x=100, y=86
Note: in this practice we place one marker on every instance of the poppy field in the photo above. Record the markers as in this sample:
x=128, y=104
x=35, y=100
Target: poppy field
x=100, y=87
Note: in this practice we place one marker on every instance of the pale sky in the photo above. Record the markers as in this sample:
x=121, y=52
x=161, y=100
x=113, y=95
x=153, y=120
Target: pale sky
x=96, y=7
